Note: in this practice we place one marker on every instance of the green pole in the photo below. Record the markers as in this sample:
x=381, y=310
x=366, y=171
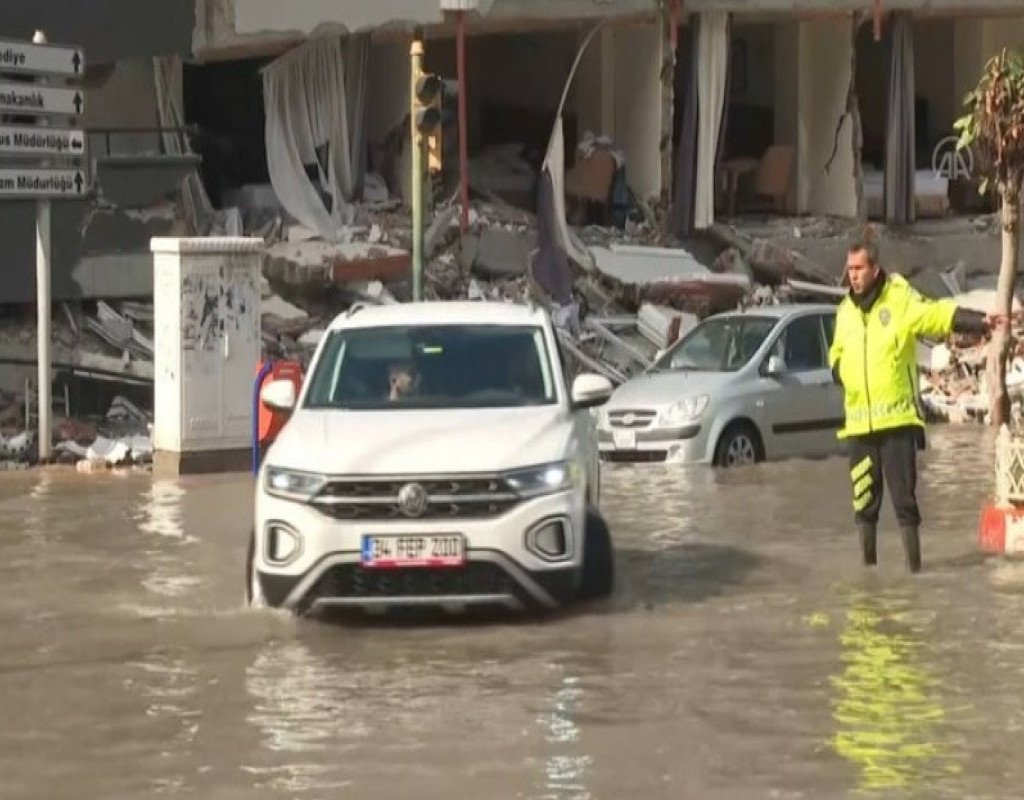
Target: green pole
x=416, y=54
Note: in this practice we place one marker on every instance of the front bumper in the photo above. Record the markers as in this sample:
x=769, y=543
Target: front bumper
x=499, y=571
x=686, y=444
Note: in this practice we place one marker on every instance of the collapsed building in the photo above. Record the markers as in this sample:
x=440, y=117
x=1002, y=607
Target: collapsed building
x=595, y=183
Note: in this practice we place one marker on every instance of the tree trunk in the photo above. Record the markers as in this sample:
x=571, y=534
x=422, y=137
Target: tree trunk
x=998, y=399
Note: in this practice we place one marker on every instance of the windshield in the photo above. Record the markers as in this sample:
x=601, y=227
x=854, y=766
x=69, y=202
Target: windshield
x=435, y=366
x=718, y=344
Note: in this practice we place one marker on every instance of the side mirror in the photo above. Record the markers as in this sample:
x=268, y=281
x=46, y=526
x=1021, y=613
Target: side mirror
x=590, y=390
x=278, y=395
x=776, y=367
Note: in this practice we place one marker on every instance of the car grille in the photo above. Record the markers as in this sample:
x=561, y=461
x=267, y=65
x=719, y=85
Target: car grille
x=353, y=580
x=635, y=418
x=471, y=497
x=634, y=456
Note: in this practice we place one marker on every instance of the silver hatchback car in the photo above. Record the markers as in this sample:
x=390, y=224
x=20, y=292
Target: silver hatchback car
x=738, y=388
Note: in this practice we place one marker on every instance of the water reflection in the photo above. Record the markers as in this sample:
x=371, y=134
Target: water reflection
x=161, y=512
x=39, y=496
x=891, y=720
x=168, y=684
x=161, y=517
x=169, y=688
x=565, y=770
x=300, y=709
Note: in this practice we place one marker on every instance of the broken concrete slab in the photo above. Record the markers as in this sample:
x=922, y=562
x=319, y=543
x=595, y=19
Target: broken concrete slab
x=932, y=283
x=503, y=254
x=816, y=290
x=437, y=231
x=379, y=264
x=637, y=265
x=982, y=300
x=662, y=326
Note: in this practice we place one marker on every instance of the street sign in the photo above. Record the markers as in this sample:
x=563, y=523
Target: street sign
x=33, y=182
x=28, y=140
x=32, y=100
x=31, y=156
x=21, y=57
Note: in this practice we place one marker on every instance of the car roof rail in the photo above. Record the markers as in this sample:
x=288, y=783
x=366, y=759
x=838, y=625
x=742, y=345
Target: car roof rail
x=354, y=309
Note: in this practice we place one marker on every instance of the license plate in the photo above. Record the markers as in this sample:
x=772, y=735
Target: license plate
x=447, y=550
x=624, y=440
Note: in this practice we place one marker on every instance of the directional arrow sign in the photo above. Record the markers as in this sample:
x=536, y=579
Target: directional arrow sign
x=23, y=57
x=18, y=140
x=35, y=183
x=31, y=100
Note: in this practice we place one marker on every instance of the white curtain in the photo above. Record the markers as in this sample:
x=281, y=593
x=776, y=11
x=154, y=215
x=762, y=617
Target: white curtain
x=712, y=71
x=169, y=81
x=554, y=164
x=311, y=120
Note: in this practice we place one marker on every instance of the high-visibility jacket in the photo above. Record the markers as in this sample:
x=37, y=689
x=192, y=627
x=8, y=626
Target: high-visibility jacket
x=874, y=353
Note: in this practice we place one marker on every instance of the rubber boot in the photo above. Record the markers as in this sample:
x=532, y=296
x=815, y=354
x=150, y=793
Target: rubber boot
x=912, y=547
x=868, y=538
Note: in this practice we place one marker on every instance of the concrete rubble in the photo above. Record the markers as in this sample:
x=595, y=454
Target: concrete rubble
x=640, y=292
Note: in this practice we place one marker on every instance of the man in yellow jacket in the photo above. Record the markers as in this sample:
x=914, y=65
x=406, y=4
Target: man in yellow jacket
x=873, y=357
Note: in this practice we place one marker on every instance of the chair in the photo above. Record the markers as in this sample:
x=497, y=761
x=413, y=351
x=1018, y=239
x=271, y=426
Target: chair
x=590, y=181
x=773, y=172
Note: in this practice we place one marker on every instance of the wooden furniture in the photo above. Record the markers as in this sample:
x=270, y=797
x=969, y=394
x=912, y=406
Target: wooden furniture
x=590, y=181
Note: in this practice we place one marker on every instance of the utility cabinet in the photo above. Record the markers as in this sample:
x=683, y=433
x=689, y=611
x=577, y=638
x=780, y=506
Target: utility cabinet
x=206, y=295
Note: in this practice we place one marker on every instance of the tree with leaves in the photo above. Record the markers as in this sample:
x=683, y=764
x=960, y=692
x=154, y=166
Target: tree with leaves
x=994, y=130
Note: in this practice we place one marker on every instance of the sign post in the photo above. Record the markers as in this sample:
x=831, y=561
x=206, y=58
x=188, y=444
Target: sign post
x=41, y=163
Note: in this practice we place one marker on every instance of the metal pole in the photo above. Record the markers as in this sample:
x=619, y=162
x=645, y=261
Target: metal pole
x=43, y=302
x=463, y=143
x=416, y=59
x=43, y=324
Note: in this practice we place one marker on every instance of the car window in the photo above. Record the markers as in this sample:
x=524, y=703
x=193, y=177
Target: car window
x=718, y=344
x=829, y=321
x=801, y=345
x=435, y=366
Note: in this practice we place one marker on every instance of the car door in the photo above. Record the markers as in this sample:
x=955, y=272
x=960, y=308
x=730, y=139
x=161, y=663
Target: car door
x=796, y=411
x=833, y=391
x=584, y=423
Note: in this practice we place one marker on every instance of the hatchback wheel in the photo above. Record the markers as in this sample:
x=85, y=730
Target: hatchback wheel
x=739, y=445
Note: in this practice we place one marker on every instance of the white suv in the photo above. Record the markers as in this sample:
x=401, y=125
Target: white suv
x=433, y=457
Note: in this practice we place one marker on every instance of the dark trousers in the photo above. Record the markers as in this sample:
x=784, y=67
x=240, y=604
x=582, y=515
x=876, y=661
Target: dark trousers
x=891, y=455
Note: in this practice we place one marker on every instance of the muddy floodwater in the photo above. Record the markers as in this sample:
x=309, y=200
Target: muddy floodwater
x=746, y=653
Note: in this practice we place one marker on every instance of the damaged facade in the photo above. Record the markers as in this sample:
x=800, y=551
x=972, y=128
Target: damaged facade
x=633, y=216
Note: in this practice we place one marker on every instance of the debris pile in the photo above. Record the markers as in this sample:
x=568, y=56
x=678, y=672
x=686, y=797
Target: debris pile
x=952, y=374
x=122, y=438
x=953, y=382
x=627, y=293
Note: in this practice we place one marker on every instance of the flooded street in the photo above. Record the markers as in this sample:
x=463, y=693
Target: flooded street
x=746, y=654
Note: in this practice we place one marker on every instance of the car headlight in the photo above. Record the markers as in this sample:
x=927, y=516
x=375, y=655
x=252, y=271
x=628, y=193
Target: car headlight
x=602, y=419
x=292, y=485
x=545, y=479
x=684, y=411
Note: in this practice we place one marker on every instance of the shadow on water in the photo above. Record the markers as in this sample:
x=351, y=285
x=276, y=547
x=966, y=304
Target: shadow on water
x=683, y=573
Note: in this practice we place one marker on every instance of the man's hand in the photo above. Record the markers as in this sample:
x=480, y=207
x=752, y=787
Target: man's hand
x=995, y=320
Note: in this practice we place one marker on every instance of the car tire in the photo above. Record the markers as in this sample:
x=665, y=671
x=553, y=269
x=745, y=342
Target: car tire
x=598, y=572
x=254, y=597
x=739, y=444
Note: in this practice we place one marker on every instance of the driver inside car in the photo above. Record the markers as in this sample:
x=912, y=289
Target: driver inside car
x=403, y=380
